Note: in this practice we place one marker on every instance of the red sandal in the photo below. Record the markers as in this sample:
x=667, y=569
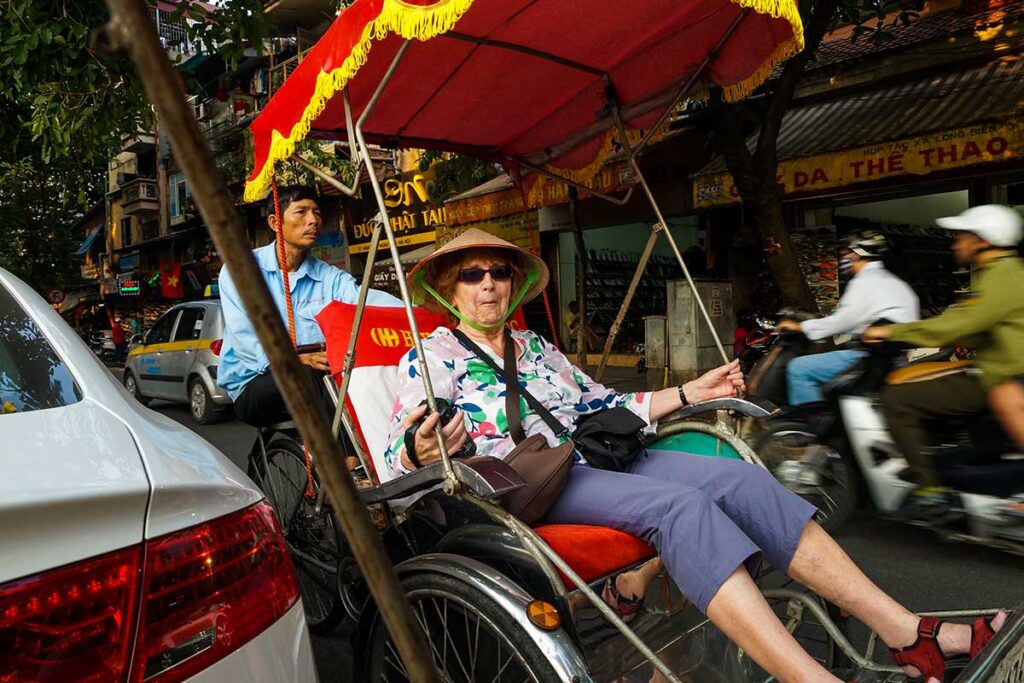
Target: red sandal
x=925, y=653
x=627, y=608
x=981, y=633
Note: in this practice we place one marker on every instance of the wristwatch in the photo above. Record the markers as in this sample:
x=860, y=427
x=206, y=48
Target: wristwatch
x=682, y=397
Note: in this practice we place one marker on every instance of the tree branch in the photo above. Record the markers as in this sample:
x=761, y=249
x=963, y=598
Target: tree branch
x=815, y=27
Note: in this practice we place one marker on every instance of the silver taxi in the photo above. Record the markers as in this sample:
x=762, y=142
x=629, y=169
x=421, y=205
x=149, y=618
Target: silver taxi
x=176, y=360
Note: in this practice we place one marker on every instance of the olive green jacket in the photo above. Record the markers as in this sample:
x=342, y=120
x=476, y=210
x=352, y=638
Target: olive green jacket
x=989, y=321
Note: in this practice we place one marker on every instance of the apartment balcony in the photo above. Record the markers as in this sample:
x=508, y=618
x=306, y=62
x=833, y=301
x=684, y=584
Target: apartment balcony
x=140, y=196
x=297, y=13
x=140, y=143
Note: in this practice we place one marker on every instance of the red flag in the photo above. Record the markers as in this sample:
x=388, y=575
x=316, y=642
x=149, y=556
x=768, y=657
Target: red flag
x=170, y=281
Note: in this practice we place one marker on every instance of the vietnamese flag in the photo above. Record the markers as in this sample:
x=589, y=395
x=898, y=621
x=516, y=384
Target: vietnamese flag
x=170, y=281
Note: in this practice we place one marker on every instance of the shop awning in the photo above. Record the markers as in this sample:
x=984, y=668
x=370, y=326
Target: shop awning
x=941, y=102
x=89, y=239
x=908, y=118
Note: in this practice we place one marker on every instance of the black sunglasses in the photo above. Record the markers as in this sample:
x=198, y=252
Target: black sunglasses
x=475, y=275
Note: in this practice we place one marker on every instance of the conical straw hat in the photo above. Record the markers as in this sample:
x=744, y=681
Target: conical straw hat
x=474, y=238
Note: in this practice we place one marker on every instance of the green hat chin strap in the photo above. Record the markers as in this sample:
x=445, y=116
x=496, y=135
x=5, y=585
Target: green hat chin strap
x=531, y=277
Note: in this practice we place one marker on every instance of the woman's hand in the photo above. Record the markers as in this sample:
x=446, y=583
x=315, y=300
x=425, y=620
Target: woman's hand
x=455, y=435
x=722, y=382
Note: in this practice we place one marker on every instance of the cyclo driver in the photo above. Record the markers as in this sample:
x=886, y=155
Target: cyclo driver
x=244, y=369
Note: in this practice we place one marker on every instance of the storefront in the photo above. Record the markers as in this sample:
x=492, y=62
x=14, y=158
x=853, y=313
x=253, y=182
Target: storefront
x=923, y=154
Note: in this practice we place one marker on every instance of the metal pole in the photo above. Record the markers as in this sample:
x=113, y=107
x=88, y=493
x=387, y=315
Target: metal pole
x=641, y=266
x=618, y=201
x=451, y=481
x=350, y=353
x=328, y=178
x=131, y=29
x=668, y=233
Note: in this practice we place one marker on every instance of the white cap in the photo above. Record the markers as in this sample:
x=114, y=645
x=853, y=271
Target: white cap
x=998, y=225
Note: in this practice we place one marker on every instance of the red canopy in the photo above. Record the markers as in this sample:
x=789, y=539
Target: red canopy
x=507, y=79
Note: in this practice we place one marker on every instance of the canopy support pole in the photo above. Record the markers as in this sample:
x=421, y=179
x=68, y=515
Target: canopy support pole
x=613, y=331
x=328, y=178
x=661, y=225
x=618, y=201
x=451, y=482
x=131, y=29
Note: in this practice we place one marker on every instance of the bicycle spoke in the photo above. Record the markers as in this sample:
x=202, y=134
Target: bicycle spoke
x=395, y=661
x=422, y=618
x=448, y=638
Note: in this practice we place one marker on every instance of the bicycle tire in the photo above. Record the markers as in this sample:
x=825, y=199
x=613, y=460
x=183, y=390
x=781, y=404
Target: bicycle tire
x=313, y=533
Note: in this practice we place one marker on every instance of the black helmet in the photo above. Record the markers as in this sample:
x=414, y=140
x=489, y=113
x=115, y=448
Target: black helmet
x=869, y=244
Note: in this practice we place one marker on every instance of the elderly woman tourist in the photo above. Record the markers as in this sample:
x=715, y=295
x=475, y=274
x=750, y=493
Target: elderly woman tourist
x=709, y=518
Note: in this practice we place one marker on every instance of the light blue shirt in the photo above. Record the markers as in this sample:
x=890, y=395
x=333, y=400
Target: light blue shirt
x=314, y=285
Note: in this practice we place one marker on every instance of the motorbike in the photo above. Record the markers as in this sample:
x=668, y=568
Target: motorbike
x=831, y=451
x=102, y=345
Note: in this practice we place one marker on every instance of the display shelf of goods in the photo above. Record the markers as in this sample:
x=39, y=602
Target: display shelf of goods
x=817, y=256
x=609, y=274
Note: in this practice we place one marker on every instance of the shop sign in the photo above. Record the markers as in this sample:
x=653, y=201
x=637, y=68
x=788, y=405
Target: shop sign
x=983, y=143
x=543, y=192
x=129, y=287
x=514, y=228
x=412, y=209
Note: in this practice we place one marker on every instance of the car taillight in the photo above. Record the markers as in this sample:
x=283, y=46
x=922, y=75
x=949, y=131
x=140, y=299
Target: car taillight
x=208, y=590
x=71, y=624
x=216, y=346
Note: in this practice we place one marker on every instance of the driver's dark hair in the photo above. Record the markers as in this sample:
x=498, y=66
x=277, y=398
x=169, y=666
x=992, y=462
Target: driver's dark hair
x=289, y=194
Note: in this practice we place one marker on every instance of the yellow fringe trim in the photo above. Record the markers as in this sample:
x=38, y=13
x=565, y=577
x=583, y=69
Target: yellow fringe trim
x=587, y=173
x=412, y=22
x=779, y=9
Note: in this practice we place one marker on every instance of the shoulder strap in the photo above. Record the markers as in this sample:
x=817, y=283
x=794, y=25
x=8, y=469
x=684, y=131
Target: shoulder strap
x=512, y=388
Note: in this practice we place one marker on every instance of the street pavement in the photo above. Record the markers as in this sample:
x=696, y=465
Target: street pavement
x=913, y=565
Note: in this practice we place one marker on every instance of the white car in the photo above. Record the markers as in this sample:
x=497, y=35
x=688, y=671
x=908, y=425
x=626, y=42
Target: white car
x=130, y=548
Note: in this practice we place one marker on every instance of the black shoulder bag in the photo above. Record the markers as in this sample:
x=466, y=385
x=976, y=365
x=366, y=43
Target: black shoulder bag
x=609, y=439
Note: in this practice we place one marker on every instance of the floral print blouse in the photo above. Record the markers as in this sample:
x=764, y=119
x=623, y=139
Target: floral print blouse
x=461, y=377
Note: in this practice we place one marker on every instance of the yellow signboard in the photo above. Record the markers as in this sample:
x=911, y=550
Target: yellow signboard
x=982, y=143
x=544, y=191
x=513, y=228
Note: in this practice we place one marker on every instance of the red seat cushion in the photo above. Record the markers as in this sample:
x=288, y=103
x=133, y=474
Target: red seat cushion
x=594, y=551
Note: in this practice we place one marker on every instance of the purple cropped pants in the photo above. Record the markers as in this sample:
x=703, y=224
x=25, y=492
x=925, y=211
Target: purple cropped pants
x=705, y=516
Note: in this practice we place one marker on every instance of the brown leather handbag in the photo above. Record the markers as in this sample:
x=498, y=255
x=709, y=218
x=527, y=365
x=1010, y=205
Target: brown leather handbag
x=544, y=469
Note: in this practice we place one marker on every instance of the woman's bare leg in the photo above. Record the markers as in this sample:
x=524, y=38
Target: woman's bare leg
x=740, y=611
x=821, y=565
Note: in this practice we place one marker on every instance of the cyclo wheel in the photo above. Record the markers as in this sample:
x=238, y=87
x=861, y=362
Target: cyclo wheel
x=788, y=449
x=471, y=637
x=310, y=535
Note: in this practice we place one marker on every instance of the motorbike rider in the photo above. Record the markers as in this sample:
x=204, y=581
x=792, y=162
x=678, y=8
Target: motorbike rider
x=990, y=321
x=873, y=293
x=244, y=369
